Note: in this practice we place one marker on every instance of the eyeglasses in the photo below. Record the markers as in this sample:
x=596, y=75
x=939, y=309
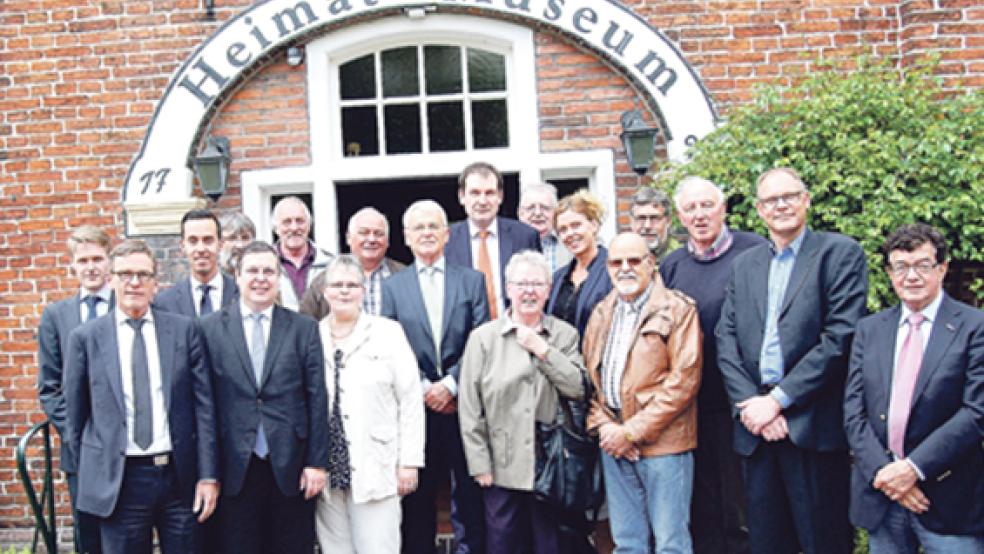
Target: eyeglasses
x=529, y=285
x=650, y=218
x=616, y=263
x=127, y=276
x=923, y=268
x=788, y=198
x=431, y=227
x=341, y=285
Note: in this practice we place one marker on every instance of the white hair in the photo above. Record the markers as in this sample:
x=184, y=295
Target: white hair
x=528, y=257
x=692, y=182
x=422, y=206
x=291, y=200
x=539, y=188
x=368, y=210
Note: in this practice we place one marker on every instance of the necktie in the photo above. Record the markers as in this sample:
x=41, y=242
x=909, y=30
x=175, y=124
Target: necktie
x=206, y=305
x=91, y=302
x=143, y=417
x=485, y=266
x=339, y=467
x=257, y=355
x=906, y=373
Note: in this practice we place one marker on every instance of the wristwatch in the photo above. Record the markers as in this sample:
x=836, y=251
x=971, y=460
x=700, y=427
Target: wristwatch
x=629, y=436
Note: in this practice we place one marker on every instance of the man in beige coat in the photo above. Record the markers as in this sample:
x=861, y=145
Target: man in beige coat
x=642, y=348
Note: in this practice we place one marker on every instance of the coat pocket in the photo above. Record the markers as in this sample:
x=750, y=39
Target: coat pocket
x=502, y=447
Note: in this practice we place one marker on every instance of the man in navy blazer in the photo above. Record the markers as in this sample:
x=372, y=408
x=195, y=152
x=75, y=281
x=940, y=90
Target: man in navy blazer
x=89, y=248
x=141, y=423
x=485, y=241
x=268, y=372
x=438, y=304
x=206, y=289
x=783, y=340
x=914, y=409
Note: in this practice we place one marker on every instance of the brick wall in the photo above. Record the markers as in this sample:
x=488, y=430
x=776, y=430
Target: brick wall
x=79, y=80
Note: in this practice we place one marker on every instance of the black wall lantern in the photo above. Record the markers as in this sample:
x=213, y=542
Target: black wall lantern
x=639, y=140
x=212, y=167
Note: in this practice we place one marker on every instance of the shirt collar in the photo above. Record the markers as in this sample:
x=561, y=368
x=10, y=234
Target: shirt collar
x=929, y=312
x=720, y=245
x=214, y=282
x=793, y=246
x=104, y=294
x=439, y=265
x=308, y=258
x=636, y=305
x=121, y=317
x=247, y=312
x=493, y=228
x=507, y=325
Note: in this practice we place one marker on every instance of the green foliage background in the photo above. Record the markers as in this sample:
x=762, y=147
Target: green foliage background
x=876, y=150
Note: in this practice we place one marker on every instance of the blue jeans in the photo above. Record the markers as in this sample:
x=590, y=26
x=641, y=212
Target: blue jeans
x=902, y=533
x=650, y=499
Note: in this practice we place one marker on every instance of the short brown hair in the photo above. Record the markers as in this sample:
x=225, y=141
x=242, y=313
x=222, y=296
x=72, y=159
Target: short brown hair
x=88, y=234
x=133, y=246
x=912, y=236
x=480, y=168
x=582, y=202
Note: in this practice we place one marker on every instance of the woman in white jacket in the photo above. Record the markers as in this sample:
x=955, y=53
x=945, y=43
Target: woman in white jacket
x=376, y=420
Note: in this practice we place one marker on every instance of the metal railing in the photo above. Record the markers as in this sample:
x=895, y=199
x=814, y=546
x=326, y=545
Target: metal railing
x=43, y=510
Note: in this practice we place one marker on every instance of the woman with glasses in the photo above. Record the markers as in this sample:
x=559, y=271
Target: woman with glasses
x=375, y=416
x=514, y=371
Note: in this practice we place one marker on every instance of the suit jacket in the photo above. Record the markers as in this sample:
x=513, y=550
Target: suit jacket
x=180, y=299
x=943, y=434
x=465, y=308
x=594, y=289
x=57, y=322
x=313, y=302
x=825, y=298
x=97, y=433
x=514, y=236
x=291, y=399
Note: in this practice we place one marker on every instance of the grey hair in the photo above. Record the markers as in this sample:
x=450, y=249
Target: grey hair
x=646, y=196
x=541, y=188
x=368, y=210
x=787, y=171
x=344, y=261
x=288, y=200
x=424, y=205
x=693, y=181
x=234, y=222
x=529, y=257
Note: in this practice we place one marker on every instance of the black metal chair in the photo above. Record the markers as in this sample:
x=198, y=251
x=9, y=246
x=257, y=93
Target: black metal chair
x=43, y=509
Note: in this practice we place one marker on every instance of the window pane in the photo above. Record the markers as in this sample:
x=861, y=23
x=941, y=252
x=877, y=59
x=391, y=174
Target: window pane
x=357, y=78
x=489, y=126
x=486, y=71
x=400, y=72
x=442, y=65
x=359, y=135
x=402, y=128
x=446, y=126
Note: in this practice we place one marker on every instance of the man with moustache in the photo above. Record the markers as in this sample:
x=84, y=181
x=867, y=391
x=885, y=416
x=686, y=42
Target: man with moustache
x=89, y=250
x=207, y=288
x=438, y=304
x=300, y=258
x=268, y=371
x=700, y=270
x=141, y=420
x=783, y=340
x=642, y=349
x=537, y=203
x=650, y=215
x=368, y=239
x=485, y=241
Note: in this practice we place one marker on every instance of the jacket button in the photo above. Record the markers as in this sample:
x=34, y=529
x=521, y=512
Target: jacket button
x=881, y=417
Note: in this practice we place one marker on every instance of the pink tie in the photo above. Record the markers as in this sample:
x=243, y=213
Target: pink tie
x=905, y=382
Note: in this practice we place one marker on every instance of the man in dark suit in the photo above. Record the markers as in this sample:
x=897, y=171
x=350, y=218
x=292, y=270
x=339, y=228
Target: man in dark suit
x=485, y=241
x=272, y=405
x=783, y=339
x=141, y=423
x=438, y=304
x=206, y=289
x=914, y=409
x=89, y=249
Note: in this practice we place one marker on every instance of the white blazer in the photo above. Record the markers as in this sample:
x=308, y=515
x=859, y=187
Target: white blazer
x=382, y=404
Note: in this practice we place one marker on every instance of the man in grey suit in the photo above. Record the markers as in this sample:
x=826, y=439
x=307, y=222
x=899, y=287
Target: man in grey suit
x=89, y=248
x=438, y=304
x=783, y=339
x=206, y=289
x=141, y=423
x=268, y=372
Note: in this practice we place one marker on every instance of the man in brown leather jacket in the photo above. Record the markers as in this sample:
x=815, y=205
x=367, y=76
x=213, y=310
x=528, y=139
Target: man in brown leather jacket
x=642, y=348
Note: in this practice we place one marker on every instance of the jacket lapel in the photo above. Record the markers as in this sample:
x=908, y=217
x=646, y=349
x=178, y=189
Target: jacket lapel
x=450, y=298
x=165, y=348
x=805, y=260
x=416, y=297
x=279, y=329
x=759, y=281
x=944, y=329
x=232, y=320
x=230, y=291
x=185, y=297
x=109, y=358
x=73, y=315
x=883, y=357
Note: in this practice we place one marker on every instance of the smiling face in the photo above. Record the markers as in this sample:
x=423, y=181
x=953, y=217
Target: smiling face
x=916, y=289
x=702, y=212
x=134, y=283
x=537, y=211
x=630, y=265
x=367, y=238
x=782, y=204
x=293, y=225
x=528, y=288
x=576, y=232
x=480, y=198
x=258, y=280
x=90, y=264
x=344, y=290
x=426, y=234
x=200, y=243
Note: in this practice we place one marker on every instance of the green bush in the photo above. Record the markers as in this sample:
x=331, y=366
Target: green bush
x=877, y=150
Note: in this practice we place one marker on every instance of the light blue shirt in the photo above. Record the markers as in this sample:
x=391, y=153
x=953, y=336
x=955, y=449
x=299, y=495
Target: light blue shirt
x=771, y=366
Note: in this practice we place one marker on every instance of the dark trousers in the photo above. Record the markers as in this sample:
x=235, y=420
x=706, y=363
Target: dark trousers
x=797, y=500
x=262, y=520
x=149, y=499
x=717, y=521
x=516, y=523
x=443, y=454
x=86, y=533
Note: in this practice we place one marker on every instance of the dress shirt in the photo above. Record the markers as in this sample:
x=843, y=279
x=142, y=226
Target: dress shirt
x=161, y=442
x=372, y=302
x=214, y=294
x=771, y=365
x=549, y=244
x=620, y=339
x=248, y=323
x=492, y=243
x=435, y=297
x=102, y=308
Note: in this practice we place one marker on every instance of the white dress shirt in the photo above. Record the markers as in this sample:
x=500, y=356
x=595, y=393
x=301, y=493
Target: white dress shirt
x=248, y=323
x=102, y=308
x=215, y=294
x=433, y=292
x=492, y=243
x=161, y=442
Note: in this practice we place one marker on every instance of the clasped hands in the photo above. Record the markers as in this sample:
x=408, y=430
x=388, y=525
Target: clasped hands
x=762, y=416
x=614, y=441
x=897, y=480
x=437, y=397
